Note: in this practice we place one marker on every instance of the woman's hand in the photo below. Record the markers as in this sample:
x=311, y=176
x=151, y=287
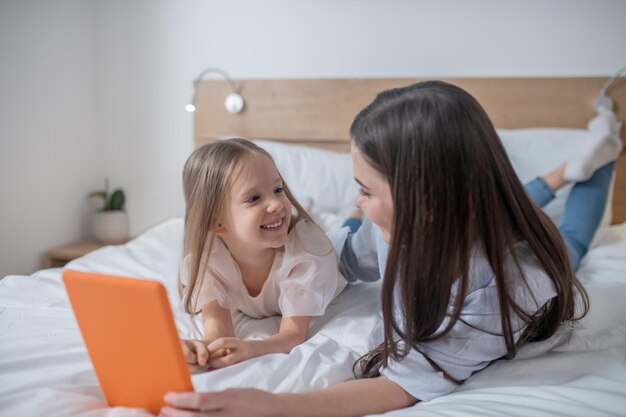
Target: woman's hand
x=232, y=402
x=227, y=351
x=196, y=354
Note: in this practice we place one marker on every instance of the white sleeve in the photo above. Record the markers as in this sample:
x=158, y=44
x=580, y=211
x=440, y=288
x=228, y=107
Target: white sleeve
x=464, y=351
x=461, y=353
x=474, y=341
x=417, y=377
x=308, y=282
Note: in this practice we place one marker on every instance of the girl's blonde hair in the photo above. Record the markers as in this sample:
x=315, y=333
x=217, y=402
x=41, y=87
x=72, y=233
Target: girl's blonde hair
x=207, y=179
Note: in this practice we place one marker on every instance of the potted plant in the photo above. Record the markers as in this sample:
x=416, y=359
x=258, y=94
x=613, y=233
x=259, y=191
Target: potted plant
x=110, y=221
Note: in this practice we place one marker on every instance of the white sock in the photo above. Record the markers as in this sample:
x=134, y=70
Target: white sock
x=604, y=146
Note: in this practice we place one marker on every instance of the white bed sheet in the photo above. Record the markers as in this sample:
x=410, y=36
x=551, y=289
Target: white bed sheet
x=45, y=370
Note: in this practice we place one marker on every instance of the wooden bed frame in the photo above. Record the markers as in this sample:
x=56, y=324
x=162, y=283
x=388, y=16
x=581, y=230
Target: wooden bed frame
x=318, y=112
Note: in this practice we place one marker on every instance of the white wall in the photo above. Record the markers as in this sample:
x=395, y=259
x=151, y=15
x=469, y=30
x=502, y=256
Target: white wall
x=47, y=121
x=147, y=52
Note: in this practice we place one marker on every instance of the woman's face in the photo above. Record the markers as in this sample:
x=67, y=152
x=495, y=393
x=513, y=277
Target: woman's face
x=375, y=195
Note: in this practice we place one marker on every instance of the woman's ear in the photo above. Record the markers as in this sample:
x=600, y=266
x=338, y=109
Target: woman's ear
x=219, y=230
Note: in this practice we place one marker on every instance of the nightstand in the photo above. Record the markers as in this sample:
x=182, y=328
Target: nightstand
x=58, y=257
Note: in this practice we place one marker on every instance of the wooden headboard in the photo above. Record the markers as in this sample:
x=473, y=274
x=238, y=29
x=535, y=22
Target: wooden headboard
x=318, y=112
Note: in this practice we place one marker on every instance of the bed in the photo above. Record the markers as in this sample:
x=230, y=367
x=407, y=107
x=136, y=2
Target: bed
x=581, y=371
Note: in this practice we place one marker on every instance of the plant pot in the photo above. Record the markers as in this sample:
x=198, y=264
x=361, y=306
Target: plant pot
x=110, y=226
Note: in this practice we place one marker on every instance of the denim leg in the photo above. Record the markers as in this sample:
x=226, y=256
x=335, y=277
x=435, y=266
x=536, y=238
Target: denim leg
x=583, y=212
x=539, y=191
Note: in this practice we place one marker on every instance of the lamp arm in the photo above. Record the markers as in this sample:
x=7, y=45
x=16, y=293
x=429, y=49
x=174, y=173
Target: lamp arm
x=223, y=73
x=603, y=102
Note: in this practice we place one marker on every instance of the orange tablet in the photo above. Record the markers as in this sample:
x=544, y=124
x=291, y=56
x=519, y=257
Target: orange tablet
x=129, y=331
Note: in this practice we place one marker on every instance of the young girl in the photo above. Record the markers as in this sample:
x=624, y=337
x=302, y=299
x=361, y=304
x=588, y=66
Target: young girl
x=249, y=246
x=472, y=269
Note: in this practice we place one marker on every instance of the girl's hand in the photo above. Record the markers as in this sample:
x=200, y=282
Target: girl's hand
x=196, y=354
x=232, y=402
x=227, y=351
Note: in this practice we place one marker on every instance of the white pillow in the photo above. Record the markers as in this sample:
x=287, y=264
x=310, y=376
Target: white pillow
x=323, y=180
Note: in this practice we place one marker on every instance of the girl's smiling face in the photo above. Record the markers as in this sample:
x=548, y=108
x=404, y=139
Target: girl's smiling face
x=375, y=194
x=257, y=212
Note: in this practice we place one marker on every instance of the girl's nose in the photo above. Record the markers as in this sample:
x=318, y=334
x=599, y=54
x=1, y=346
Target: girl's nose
x=274, y=205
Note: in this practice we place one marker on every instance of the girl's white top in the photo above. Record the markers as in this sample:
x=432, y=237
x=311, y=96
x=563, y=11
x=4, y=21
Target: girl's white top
x=303, y=280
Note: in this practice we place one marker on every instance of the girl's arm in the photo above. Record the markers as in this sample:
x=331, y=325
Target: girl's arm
x=352, y=398
x=292, y=332
x=217, y=323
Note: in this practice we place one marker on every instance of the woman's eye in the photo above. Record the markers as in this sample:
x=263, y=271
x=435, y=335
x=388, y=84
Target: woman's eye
x=363, y=193
x=279, y=190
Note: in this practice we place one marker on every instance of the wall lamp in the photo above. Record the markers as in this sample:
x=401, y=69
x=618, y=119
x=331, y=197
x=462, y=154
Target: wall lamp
x=234, y=101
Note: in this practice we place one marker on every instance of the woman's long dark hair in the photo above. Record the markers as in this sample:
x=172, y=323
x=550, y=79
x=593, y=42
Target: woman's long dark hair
x=454, y=191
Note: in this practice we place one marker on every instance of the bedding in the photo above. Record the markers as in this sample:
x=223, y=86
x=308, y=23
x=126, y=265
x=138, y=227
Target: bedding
x=44, y=368
x=581, y=371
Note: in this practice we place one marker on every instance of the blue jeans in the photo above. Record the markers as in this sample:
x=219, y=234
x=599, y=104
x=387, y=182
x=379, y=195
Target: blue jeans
x=353, y=223
x=583, y=211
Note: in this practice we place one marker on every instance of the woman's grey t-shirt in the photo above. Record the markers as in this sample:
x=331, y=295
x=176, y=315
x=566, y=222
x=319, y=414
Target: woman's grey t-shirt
x=475, y=340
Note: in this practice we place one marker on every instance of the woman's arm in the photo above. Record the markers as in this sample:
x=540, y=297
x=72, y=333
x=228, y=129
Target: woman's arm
x=292, y=332
x=352, y=398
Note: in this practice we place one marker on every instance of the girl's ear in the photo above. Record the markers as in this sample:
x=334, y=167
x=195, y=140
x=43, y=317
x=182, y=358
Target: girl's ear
x=219, y=230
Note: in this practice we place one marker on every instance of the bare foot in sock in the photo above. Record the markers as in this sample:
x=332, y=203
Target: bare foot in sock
x=604, y=146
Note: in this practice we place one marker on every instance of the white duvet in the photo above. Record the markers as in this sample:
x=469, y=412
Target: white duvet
x=45, y=370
